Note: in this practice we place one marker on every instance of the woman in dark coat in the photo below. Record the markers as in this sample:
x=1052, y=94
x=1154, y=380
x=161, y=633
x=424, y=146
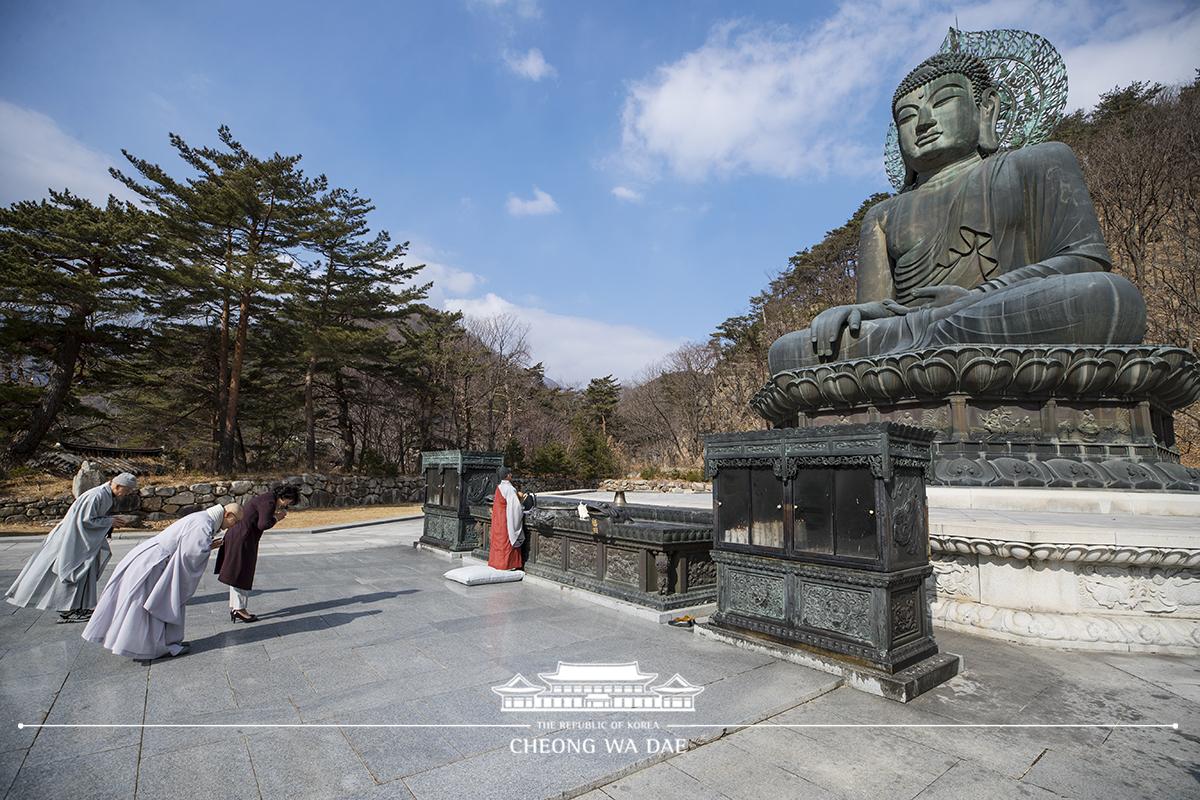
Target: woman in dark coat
x=239, y=554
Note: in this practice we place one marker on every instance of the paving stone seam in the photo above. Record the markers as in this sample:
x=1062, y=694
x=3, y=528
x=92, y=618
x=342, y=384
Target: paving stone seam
x=699, y=742
x=137, y=770
x=38, y=731
x=927, y=786
x=1146, y=681
x=253, y=772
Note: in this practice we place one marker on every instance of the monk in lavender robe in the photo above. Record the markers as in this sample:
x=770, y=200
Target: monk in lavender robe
x=507, y=530
x=141, y=612
x=62, y=574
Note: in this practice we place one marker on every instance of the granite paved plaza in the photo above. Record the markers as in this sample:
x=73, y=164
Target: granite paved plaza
x=360, y=629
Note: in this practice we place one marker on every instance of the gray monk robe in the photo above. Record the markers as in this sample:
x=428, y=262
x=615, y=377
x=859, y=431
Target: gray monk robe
x=1018, y=229
x=62, y=574
x=140, y=614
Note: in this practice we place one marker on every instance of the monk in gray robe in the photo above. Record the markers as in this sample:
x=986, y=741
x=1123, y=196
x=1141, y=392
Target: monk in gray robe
x=979, y=247
x=62, y=574
x=141, y=612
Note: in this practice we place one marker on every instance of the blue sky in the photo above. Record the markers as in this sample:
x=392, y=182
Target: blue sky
x=621, y=176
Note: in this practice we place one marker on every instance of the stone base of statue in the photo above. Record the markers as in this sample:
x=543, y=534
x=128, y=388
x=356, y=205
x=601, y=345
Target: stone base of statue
x=821, y=546
x=1095, y=570
x=1051, y=416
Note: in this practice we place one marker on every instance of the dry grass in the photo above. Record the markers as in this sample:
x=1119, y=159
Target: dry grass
x=320, y=517
x=295, y=520
x=34, y=486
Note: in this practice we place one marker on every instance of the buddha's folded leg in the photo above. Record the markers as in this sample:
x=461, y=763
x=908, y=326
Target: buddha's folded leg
x=1085, y=308
x=888, y=335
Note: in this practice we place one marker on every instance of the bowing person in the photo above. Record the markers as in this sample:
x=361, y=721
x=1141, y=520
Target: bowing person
x=238, y=556
x=141, y=612
x=62, y=574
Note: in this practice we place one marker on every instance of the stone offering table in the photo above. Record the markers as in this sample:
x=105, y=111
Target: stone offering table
x=656, y=557
x=455, y=480
x=821, y=545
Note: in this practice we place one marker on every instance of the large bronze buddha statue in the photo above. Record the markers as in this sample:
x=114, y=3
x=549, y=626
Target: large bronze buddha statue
x=986, y=308
x=979, y=247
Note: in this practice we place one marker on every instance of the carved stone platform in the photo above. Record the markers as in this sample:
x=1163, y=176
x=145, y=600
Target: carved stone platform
x=1115, y=582
x=1067, y=416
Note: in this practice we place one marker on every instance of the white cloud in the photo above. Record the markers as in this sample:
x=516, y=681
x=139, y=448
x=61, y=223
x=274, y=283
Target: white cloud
x=36, y=155
x=448, y=280
x=542, y=203
x=575, y=349
x=531, y=65
x=1168, y=52
x=625, y=193
x=778, y=101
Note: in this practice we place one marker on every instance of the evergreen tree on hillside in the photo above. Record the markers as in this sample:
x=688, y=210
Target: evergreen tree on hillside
x=234, y=225
x=70, y=273
x=342, y=305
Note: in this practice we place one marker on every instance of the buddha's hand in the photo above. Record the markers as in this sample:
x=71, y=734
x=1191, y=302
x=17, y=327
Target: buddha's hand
x=940, y=296
x=827, y=326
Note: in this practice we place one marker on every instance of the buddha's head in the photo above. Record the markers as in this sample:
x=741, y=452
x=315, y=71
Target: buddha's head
x=944, y=110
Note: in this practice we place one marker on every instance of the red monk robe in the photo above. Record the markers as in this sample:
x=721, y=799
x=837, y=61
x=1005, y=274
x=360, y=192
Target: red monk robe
x=507, y=531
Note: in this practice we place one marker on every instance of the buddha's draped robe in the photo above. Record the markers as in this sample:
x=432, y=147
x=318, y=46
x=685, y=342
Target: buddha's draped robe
x=141, y=611
x=62, y=574
x=1018, y=229
x=507, y=534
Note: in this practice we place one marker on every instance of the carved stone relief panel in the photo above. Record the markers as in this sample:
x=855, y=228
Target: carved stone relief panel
x=701, y=571
x=581, y=557
x=905, y=621
x=1150, y=589
x=756, y=595
x=1004, y=422
x=954, y=576
x=550, y=550
x=437, y=527
x=908, y=512
x=936, y=418
x=1094, y=425
x=622, y=566
x=830, y=608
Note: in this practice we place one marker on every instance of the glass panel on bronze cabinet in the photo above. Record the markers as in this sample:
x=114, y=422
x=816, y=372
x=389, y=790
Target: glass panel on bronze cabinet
x=766, y=508
x=450, y=488
x=433, y=486
x=812, y=495
x=854, y=513
x=733, y=506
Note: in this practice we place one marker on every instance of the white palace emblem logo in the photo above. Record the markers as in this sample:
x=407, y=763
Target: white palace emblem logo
x=598, y=687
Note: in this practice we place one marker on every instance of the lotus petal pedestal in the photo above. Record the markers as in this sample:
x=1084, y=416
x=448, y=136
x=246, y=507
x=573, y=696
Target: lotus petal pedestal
x=1056, y=415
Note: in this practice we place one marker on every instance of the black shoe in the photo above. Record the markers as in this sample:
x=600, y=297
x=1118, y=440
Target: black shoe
x=241, y=615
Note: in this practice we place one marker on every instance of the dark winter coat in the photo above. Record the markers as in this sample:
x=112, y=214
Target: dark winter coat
x=239, y=554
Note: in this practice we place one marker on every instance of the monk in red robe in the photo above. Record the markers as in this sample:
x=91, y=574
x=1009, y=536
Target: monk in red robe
x=507, y=530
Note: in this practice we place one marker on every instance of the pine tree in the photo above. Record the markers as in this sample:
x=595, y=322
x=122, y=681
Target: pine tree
x=235, y=225
x=346, y=306
x=69, y=278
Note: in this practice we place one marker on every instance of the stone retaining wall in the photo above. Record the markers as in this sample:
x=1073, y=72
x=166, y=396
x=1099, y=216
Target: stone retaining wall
x=653, y=485
x=168, y=501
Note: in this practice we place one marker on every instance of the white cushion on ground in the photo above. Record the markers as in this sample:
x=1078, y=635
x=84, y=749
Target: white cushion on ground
x=482, y=573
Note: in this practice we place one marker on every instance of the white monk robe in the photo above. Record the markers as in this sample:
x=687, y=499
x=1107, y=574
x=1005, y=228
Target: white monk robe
x=140, y=614
x=62, y=574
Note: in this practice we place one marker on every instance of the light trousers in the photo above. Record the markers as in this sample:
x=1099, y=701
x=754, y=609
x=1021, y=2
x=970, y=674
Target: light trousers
x=238, y=598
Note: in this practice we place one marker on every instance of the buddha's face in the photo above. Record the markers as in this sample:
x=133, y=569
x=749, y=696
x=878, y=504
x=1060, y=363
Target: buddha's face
x=938, y=123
